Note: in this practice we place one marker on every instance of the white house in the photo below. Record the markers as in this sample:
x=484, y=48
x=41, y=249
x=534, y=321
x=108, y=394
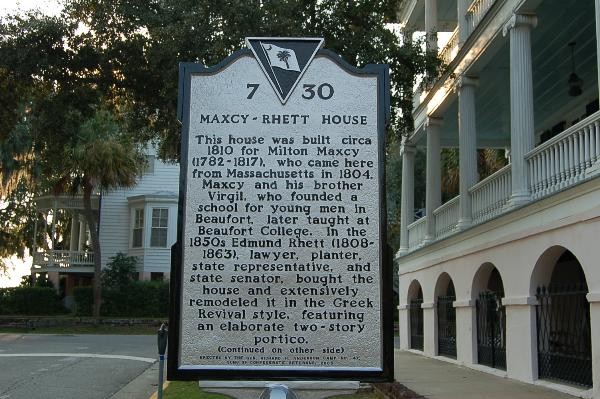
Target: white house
x=505, y=277
x=139, y=221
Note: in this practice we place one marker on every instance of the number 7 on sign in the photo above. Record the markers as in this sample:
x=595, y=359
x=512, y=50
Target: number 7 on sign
x=254, y=87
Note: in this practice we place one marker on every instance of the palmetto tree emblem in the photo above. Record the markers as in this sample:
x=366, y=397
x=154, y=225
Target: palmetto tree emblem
x=283, y=56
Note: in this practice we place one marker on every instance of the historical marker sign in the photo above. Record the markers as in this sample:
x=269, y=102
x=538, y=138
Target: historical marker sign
x=280, y=269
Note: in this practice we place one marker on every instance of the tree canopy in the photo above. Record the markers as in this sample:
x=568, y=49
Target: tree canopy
x=103, y=75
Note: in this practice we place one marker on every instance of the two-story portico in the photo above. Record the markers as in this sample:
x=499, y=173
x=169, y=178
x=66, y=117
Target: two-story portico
x=504, y=277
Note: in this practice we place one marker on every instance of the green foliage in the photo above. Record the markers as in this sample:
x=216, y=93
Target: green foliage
x=160, y=34
x=17, y=217
x=41, y=281
x=30, y=301
x=139, y=299
x=119, y=272
x=83, y=97
x=393, y=170
x=83, y=301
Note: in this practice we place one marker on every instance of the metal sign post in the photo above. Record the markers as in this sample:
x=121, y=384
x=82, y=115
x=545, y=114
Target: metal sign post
x=281, y=271
x=162, y=347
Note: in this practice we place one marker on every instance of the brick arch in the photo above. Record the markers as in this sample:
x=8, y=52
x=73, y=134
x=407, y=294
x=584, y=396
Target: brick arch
x=415, y=290
x=546, y=266
x=487, y=277
x=442, y=285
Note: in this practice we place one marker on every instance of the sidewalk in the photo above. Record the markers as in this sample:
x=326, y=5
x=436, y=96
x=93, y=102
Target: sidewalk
x=142, y=387
x=436, y=379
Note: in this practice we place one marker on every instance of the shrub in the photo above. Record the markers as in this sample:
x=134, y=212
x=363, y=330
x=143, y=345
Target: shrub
x=30, y=301
x=83, y=301
x=119, y=271
x=139, y=299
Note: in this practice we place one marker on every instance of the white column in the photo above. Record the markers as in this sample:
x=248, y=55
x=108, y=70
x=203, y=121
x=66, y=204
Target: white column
x=521, y=338
x=54, y=217
x=594, y=300
x=433, y=188
x=407, y=213
x=431, y=24
x=598, y=40
x=521, y=103
x=462, y=21
x=429, y=328
x=82, y=235
x=403, y=326
x=466, y=332
x=467, y=143
x=74, y=243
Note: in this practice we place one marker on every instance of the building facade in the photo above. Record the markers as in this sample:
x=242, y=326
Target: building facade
x=140, y=221
x=504, y=277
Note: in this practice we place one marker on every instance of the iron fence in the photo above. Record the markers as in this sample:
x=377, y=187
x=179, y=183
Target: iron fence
x=564, y=334
x=416, y=324
x=491, y=330
x=446, y=316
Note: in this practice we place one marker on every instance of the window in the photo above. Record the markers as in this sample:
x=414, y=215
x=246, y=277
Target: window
x=138, y=228
x=160, y=220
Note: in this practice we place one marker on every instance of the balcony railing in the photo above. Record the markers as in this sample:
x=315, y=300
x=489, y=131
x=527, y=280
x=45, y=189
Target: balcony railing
x=416, y=233
x=446, y=218
x=489, y=196
x=450, y=50
x=570, y=157
x=476, y=12
x=62, y=258
x=565, y=159
x=47, y=202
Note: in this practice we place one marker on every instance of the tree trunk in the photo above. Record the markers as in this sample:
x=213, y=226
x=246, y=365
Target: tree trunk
x=92, y=223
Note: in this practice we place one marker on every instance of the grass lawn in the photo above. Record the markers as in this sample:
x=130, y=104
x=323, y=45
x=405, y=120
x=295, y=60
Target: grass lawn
x=190, y=390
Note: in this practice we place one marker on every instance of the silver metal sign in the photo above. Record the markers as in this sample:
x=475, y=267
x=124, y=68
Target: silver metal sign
x=281, y=269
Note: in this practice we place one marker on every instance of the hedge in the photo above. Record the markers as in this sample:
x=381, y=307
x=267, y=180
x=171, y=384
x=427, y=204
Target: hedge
x=30, y=301
x=137, y=299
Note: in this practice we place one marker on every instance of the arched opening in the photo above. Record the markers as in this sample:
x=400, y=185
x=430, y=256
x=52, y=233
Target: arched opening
x=446, y=316
x=563, y=321
x=415, y=300
x=491, y=317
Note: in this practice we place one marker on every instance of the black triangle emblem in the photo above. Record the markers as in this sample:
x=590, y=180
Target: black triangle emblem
x=284, y=60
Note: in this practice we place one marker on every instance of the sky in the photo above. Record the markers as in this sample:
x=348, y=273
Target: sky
x=50, y=7
x=17, y=268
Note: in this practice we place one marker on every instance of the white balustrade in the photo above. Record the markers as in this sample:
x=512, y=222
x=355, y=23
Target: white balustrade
x=416, y=233
x=63, y=258
x=476, y=12
x=564, y=160
x=489, y=196
x=450, y=50
x=446, y=218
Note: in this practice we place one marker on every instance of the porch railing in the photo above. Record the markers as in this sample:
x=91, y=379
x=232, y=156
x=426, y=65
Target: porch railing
x=62, y=258
x=476, y=12
x=489, y=196
x=564, y=159
x=450, y=50
x=416, y=233
x=446, y=218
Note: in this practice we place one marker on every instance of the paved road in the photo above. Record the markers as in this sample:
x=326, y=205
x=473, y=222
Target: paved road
x=71, y=366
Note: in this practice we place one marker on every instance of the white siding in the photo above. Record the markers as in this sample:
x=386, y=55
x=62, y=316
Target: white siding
x=116, y=219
